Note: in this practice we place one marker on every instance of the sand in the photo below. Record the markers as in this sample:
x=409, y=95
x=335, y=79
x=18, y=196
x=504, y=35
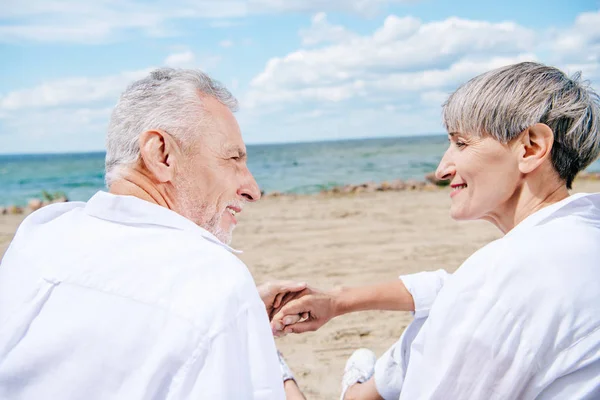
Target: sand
x=347, y=240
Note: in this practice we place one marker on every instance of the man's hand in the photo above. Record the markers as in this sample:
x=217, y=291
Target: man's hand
x=273, y=293
x=308, y=311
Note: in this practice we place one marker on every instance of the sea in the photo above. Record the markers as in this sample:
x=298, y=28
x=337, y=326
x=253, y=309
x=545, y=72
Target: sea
x=300, y=168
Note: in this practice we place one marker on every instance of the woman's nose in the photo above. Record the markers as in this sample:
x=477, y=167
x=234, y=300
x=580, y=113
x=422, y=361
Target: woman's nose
x=446, y=169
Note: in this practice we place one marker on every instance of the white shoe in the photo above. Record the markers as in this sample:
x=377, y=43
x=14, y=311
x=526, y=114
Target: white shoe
x=360, y=367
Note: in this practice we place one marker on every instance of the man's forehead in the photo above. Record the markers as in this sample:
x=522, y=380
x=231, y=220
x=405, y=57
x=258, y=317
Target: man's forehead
x=223, y=124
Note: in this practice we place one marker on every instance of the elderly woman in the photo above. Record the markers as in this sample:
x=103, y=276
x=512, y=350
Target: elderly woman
x=521, y=317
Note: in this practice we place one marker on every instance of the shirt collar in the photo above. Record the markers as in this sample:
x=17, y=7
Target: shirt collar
x=551, y=211
x=135, y=211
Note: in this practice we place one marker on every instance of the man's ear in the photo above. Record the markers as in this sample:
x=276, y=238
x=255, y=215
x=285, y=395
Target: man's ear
x=158, y=151
x=534, y=147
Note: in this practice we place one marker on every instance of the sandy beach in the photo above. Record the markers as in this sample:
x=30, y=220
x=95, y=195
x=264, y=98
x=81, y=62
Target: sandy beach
x=347, y=240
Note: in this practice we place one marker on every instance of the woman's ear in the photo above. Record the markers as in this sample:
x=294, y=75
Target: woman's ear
x=535, y=146
x=158, y=151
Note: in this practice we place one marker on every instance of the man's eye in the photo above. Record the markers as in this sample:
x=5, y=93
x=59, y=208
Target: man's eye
x=460, y=144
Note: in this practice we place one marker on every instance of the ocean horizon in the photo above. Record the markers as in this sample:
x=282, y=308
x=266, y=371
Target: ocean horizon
x=300, y=168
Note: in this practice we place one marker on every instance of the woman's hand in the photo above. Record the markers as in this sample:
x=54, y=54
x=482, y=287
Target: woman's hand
x=273, y=294
x=309, y=310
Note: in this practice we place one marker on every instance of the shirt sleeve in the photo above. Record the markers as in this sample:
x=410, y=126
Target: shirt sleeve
x=240, y=362
x=424, y=288
x=472, y=348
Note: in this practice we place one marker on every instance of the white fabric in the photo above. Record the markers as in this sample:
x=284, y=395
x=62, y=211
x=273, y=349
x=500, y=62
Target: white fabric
x=123, y=299
x=520, y=319
x=390, y=368
x=424, y=288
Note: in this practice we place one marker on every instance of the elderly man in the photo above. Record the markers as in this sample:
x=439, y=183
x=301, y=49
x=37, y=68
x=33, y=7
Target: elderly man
x=135, y=294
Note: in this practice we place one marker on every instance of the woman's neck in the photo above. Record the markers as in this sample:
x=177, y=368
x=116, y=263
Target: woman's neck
x=526, y=200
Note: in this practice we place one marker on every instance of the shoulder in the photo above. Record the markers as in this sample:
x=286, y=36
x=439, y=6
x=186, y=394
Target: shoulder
x=560, y=254
x=542, y=282
x=47, y=214
x=204, y=279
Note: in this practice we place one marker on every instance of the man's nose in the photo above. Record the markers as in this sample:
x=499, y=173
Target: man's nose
x=249, y=189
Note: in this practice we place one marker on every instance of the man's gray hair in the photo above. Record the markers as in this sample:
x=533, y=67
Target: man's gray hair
x=169, y=100
x=506, y=101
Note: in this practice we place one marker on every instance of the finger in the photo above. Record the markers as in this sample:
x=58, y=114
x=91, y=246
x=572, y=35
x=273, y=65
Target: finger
x=298, y=306
x=278, y=299
x=277, y=327
x=265, y=288
x=294, y=307
x=286, y=298
x=291, y=319
x=289, y=286
x=301, y=327
x=279, y=334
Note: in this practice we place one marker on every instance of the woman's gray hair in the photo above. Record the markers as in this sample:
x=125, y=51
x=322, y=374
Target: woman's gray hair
x=168, y=99
x=506, y=101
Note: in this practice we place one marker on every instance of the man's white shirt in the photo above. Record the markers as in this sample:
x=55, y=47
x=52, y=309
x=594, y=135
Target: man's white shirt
x=123, y=299
x=520, y=319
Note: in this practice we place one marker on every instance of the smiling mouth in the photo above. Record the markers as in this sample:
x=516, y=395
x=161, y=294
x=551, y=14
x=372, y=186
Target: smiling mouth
x=457, y=188
x=234, y=210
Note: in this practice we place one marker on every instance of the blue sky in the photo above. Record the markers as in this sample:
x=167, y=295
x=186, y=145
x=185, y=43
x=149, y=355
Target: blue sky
x=303, y=70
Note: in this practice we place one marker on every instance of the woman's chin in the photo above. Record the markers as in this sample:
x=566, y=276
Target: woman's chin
x=458, y=214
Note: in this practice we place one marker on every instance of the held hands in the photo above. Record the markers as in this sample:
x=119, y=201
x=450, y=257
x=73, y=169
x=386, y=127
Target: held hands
x=305, y=311
x=273, y=294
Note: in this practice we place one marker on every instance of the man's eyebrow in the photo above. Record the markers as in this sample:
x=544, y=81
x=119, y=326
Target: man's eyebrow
x=237, y=149
x=452, y=134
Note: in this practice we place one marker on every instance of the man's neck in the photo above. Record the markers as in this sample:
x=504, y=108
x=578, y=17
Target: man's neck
x=138, y=184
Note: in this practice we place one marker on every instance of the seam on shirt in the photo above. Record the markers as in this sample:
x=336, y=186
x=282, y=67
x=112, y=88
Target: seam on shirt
x=134, y=224
x=39, y=300
x=122, y=296
x=566, y=350
x=179, y=377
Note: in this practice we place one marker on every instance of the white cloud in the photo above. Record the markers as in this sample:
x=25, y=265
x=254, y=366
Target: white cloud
x=105, y=20
x=209, y=62
x=185, y=59
x=84, y=90
x=363, y=7
x=404, y=54
x=584, y=36
x=61, y=129
x=578, y=48
x=85, y=22
x=70, y=91
x=226, y=43
x=321, y=31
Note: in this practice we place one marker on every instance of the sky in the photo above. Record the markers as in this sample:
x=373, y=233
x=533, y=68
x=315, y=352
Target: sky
x=303, y=70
